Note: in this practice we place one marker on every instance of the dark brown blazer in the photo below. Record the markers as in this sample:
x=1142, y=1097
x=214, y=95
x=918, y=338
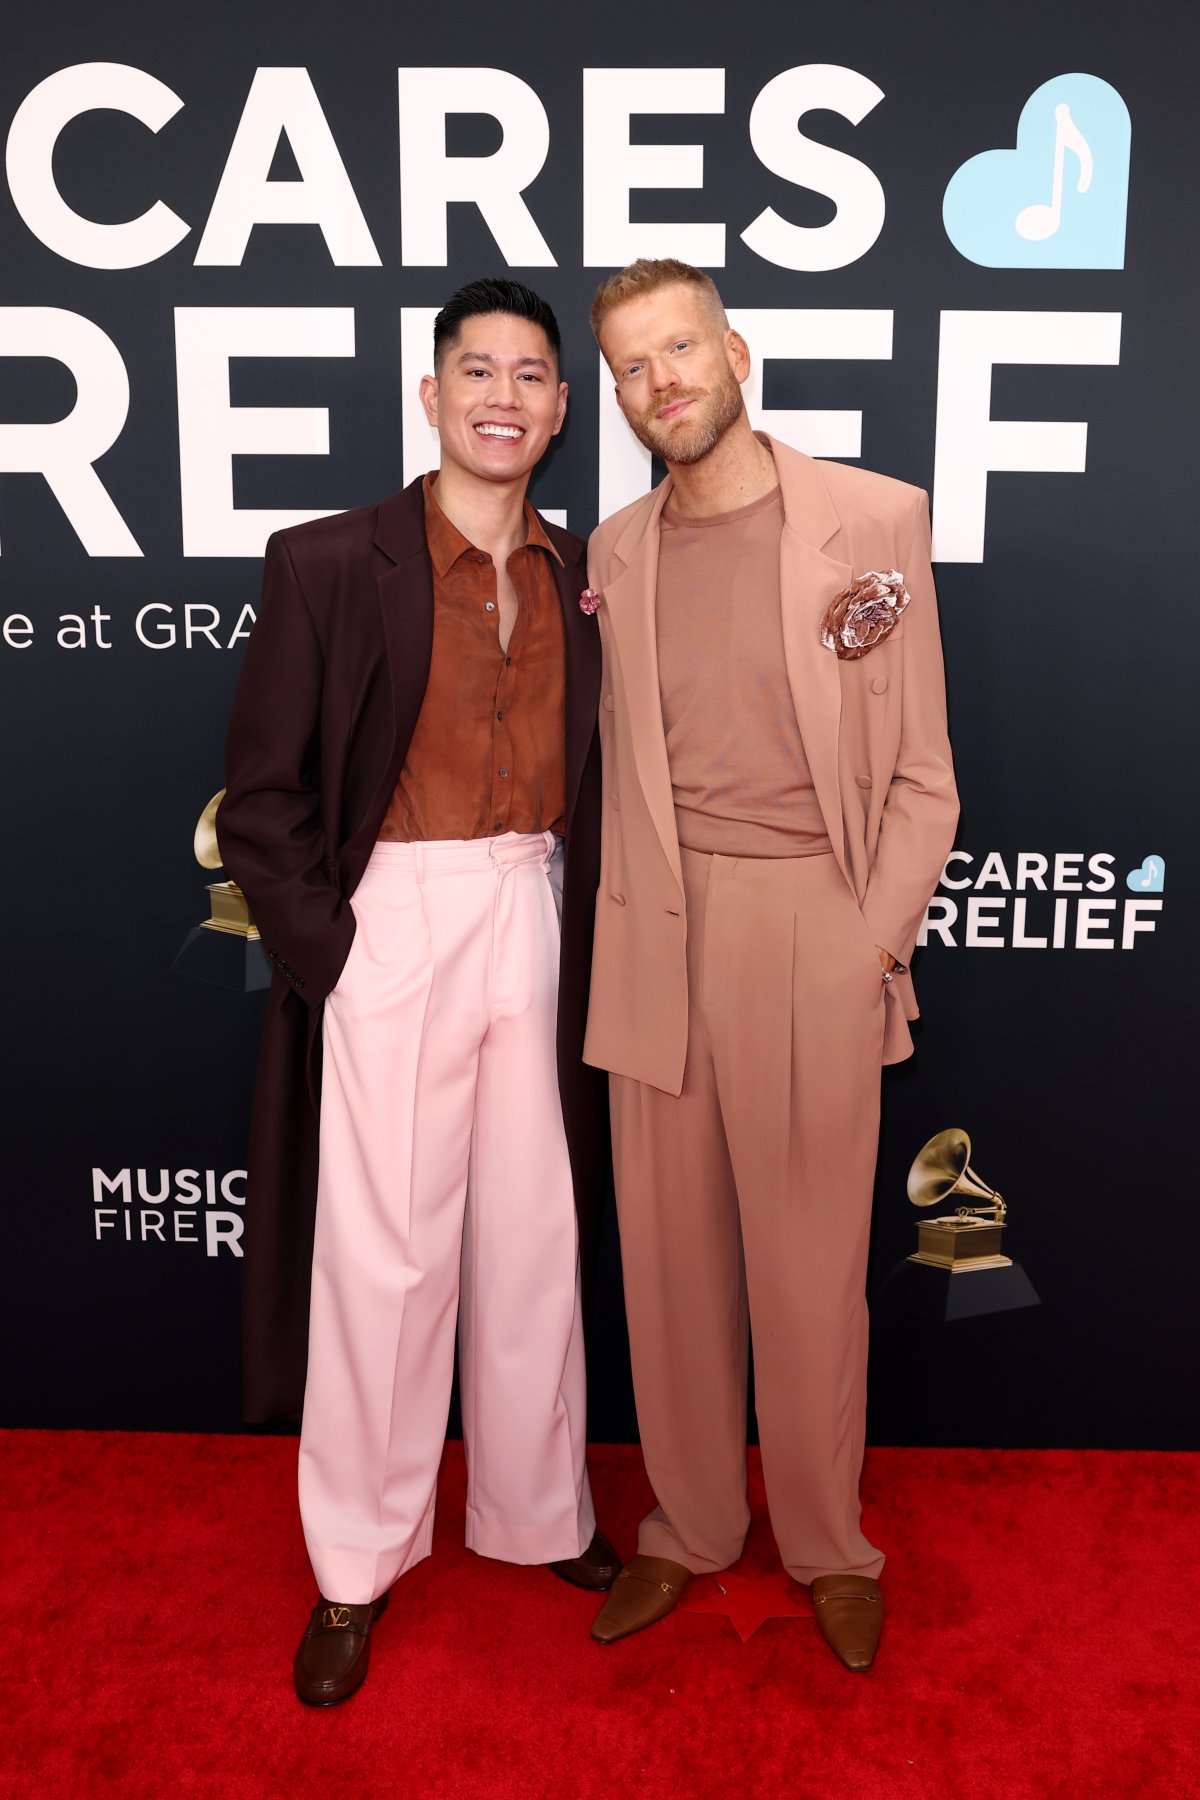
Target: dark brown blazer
x=330, y=689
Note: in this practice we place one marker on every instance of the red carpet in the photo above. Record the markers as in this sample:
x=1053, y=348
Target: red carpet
x=1043, y=1639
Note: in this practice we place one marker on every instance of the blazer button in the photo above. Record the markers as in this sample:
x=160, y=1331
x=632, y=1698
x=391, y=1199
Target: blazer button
x=879, y=685
x=619, y=898
x=608, y=702
x=864, y=781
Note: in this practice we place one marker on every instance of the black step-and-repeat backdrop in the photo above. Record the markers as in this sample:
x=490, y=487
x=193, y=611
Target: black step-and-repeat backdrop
x=961, y=245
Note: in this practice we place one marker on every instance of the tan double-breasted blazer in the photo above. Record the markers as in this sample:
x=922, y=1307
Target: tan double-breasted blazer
x=874, y=731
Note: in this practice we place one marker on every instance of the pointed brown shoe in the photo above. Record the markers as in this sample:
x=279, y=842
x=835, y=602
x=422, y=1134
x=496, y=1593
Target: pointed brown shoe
x=849, y=1611
x=596, y=1569
x=644, y=1592
x=332, y=1656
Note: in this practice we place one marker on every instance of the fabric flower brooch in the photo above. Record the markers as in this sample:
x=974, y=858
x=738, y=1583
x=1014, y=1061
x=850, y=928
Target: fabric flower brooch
x=589, y=600
x=863, y=614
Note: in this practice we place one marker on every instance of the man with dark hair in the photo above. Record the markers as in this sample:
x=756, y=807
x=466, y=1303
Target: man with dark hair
x=478, y=299
x=412, y=810
x=775, y=751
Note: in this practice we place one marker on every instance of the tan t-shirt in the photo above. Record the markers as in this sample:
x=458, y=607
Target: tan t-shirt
x=740, y=776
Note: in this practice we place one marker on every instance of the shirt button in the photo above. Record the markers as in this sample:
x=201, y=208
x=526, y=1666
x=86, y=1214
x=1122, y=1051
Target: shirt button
x=480, y=557
x=497, y=826
x=499, y=715
x=507, y=661
x=490, y=606
x=504, y=774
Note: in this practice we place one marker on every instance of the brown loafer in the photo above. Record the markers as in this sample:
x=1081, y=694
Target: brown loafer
x=597, y=1568
x=849, y=1611
x=645, y=1591
x=332, y=1656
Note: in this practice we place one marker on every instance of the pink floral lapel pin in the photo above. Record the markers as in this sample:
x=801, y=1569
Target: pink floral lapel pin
x=589, y=600
x=863, y=614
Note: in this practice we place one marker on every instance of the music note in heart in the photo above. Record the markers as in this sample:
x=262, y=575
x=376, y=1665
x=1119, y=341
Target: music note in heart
x=1038, y=222
x=1148, y=877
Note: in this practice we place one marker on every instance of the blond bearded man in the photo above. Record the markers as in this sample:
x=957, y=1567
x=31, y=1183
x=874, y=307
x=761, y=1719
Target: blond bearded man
x=778, y=803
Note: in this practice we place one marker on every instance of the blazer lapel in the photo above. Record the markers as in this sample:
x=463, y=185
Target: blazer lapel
x=582, y=651
x=405, y=592
x=629, y=599
x=808, y=580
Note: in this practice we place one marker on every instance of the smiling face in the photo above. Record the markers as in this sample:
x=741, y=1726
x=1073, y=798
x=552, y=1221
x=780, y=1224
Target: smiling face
x=496, y=400
x=678, y=371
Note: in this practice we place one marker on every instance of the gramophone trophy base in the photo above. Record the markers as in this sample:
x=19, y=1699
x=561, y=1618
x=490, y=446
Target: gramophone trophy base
x=957, y=1243
x=967, y=1267
x=229, y=911
x=936, y=1294
x=225, y=958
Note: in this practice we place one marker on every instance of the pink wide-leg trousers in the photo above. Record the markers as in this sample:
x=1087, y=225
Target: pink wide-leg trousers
x=444, y=1190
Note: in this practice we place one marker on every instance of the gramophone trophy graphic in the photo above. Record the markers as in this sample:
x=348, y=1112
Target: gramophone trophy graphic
x=968, y=1239
x=959, y=1269
x=225, y=948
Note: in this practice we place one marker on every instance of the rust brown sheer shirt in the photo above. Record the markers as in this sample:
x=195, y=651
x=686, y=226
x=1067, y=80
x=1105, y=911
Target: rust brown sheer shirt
x=488, y=751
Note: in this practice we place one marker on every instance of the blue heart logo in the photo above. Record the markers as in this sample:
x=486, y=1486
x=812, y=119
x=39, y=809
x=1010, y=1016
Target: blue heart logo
x=1148, y=879
x=1058, y=200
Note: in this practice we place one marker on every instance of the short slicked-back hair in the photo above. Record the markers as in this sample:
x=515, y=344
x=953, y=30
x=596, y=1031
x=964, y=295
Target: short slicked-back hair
x=646, y=276
x=492, y=295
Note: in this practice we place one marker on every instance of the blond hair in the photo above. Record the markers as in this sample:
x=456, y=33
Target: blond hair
x=646, y=276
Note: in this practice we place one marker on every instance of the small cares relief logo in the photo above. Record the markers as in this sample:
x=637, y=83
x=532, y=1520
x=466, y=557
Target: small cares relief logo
x=1058, y=199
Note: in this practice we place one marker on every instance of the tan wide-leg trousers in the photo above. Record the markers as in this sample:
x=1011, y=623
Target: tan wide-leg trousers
x=744, y=1204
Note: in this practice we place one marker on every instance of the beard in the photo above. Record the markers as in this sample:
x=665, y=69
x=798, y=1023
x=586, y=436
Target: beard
x=691, y=438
